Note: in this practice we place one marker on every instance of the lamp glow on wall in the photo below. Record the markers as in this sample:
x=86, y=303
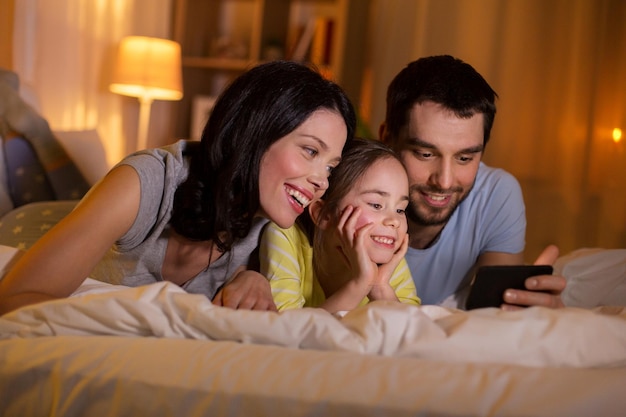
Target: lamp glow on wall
x=149, y=69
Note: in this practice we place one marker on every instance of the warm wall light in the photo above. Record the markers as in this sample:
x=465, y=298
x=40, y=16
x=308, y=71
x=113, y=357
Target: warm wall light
x=149, y=69
x=617, y=134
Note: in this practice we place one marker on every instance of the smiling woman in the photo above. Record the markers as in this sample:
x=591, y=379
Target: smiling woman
x=191, y=212
x=295, y=169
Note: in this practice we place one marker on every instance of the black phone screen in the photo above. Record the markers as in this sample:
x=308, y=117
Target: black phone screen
x=491, y=282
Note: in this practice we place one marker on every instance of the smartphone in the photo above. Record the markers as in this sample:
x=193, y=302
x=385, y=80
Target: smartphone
x=491, y=282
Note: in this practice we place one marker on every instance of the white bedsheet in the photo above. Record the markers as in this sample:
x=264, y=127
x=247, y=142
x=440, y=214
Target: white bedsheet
x=142, y=376
x=158, y=351
x=569, y=337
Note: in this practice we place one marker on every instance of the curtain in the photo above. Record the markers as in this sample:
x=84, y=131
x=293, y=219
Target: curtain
x=559, y=68
x=64, y=50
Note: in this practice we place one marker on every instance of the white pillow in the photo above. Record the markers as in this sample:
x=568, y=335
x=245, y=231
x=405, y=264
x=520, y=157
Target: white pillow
x=595, y=277
x=8, y=257
x=86, y=150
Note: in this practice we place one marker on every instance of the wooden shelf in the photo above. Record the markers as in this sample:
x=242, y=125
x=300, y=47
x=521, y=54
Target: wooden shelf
x=218, y=63
x=222, y=38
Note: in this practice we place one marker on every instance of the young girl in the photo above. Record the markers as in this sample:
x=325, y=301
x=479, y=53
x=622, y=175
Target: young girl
x=191, y=213
x=350, y=249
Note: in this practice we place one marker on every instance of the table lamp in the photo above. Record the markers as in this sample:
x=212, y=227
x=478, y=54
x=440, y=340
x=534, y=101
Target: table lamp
x=149, y=69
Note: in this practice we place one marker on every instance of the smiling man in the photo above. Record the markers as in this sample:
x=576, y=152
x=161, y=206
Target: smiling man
x=462, y=214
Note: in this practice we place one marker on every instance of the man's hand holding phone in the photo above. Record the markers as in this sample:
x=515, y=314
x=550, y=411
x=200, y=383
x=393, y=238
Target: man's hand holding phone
x=539, y=287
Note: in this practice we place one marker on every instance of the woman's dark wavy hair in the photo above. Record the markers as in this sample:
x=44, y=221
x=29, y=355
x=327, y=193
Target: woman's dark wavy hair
x=220, y=197
x=444, y=80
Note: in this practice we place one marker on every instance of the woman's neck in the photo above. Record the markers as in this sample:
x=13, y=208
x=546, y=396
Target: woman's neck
x=185, y=258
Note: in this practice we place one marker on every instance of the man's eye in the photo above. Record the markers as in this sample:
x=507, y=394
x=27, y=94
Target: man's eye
x=422, y=154
x=466, y=159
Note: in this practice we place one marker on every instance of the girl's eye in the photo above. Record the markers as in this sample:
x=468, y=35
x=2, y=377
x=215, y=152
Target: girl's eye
x=401, y=211
x=376, y=206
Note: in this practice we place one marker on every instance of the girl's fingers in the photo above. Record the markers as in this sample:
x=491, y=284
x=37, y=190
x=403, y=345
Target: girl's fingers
x=386, y=270
x=346, y=233
x=361, y=234
x=404, y=246
x=352, y=219
x=347, y=224
x=344, y=217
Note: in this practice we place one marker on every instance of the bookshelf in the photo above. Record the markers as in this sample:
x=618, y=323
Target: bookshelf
x=220, y=39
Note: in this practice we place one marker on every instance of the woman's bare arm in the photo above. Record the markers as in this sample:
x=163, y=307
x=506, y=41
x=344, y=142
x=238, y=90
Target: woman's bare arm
x=59, y=262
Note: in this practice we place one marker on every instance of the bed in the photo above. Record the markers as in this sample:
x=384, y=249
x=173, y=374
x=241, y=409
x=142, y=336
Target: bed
x=158, y=351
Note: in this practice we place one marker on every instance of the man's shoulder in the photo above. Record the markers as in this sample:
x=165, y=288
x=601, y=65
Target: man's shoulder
x=494, y=189
x=494, y=177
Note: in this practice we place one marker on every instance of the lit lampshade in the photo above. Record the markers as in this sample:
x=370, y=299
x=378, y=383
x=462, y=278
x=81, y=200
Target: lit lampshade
x=149, y=69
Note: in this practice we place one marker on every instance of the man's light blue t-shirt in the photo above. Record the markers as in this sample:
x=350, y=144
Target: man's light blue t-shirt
x=491, y=219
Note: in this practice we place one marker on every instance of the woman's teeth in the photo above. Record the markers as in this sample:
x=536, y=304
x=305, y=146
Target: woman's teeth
x=299, y=197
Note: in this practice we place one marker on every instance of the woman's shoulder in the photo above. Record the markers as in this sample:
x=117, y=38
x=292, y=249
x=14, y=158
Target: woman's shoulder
x=160, y=168
x=160, y=172
x=175, y=154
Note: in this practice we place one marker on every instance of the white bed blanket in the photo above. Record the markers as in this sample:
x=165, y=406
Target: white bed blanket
x=538, y=337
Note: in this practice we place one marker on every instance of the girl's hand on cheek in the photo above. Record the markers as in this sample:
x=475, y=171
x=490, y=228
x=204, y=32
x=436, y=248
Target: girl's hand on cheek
x=385, y=271
x=381, y=288
x=352, y=246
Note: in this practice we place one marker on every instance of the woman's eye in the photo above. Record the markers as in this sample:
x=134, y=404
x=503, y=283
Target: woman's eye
x=376, y=206
x=310, y=151
x=401, y=211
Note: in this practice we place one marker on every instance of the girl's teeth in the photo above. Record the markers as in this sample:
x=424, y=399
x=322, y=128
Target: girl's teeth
x=384, y=240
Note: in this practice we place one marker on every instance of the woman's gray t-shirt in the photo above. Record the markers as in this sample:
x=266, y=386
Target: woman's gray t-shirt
x=137, y=257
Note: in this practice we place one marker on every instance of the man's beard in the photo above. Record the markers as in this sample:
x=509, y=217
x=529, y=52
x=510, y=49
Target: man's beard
x=432, y=216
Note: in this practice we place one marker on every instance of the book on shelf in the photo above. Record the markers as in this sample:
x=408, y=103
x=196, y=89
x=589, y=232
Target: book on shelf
x=321, y=46
x=315, y=42
x=303, y=42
